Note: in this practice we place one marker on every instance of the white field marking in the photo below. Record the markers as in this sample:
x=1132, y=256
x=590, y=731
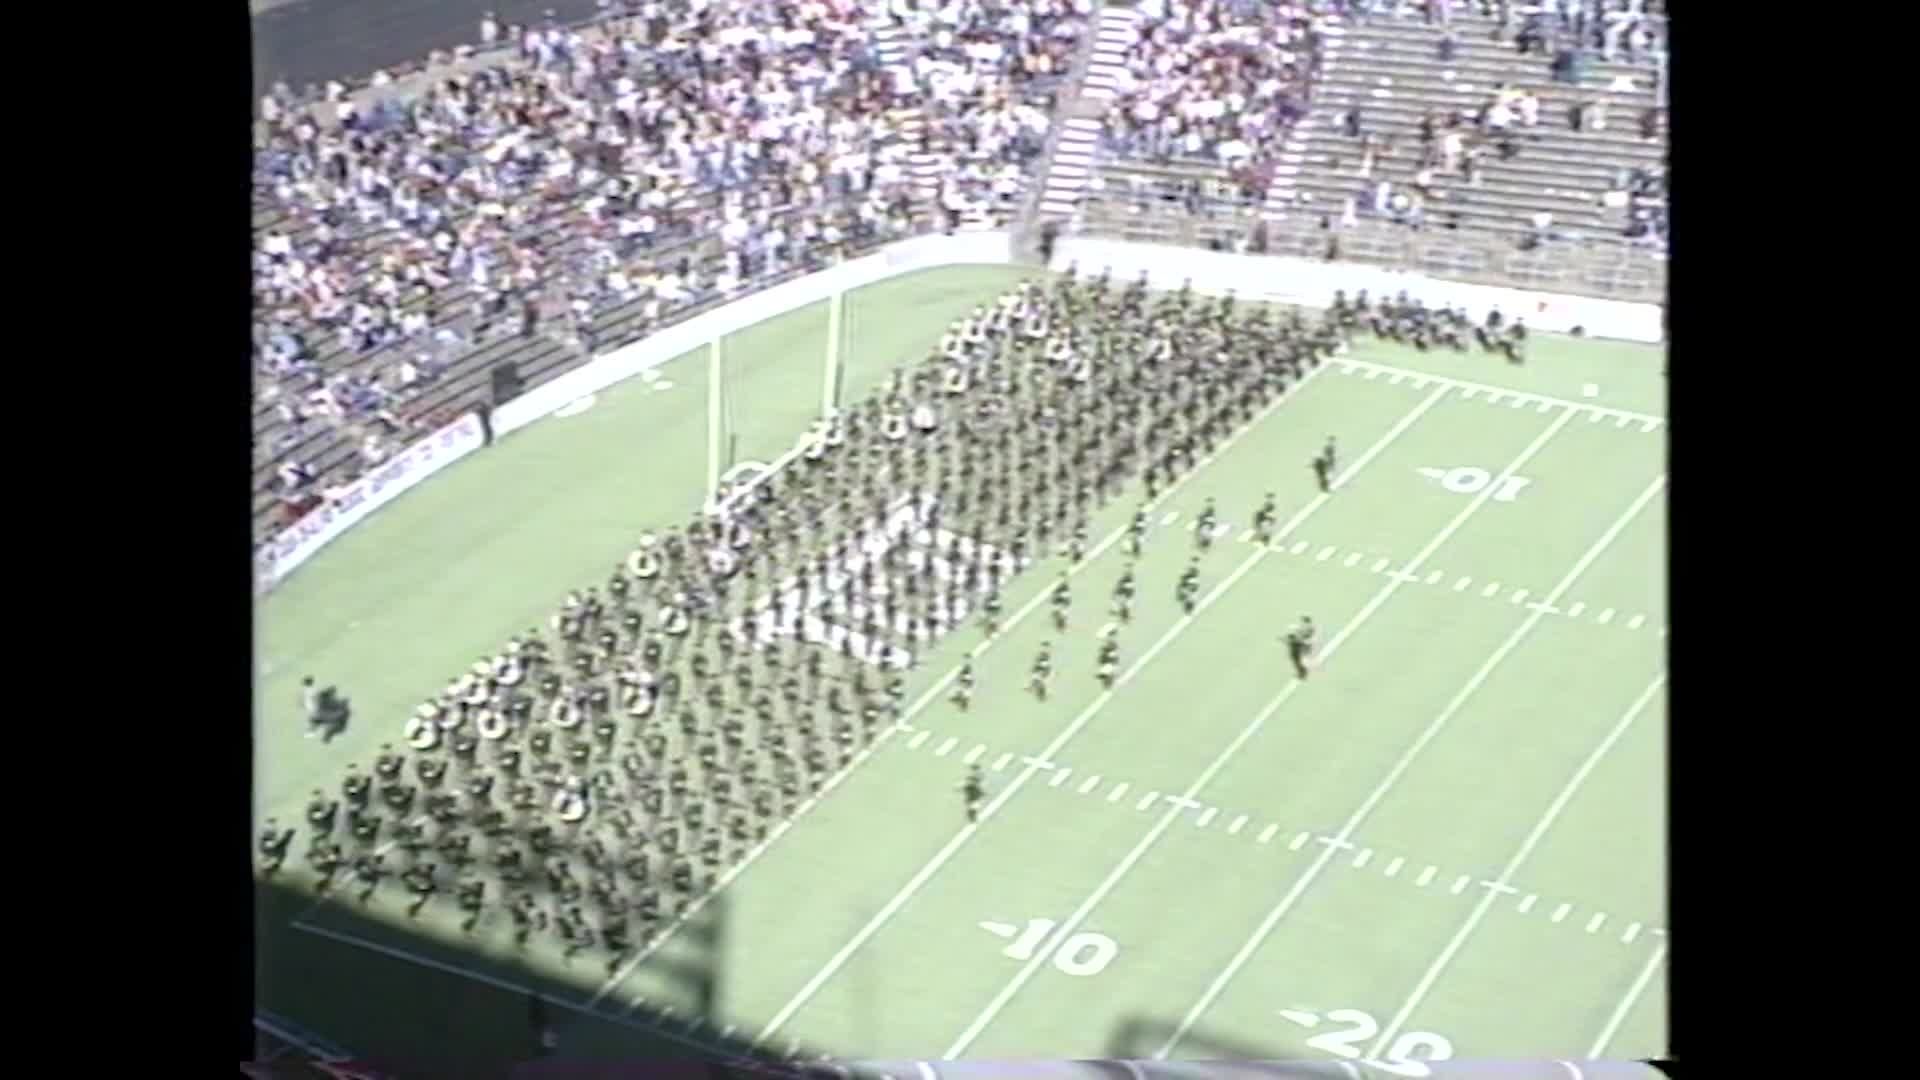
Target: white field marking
x=1336, y=842
x=1560, y=913
x=1298, y=842
x=1105, y=629
x=1193, y=526
x=1427, y=876
x=1182, y=801
x=1397, y=378
x=1519, y=596
x=1325, y=553
x=1594, y=924
x=1002, y=762
x=1089, y=784
x=1460, y=884
x=1498, y=887
x=1544, y=609
x=1393, y=867
x=1060, y=778
x=1520, y=400
x=1578, y=607
x=1573, y=1070
x=1533, y=838
x=1468, y=388
x=1663, y=631
x=1298, y=547
x=1361, y=860
x=727, y=1032
x=1039, y=763
x=979, y=751
x=1620, y=421
x=1352, y=559
x=940, y=858
x=1116, y=794
x=1405, y=578
x=1147, y=800
x=1380, y=566
x=1171, y=514
x=1439, y=723
x=1527, y=904
x=1545, y=405
x=1636, y=622
x=1606, y=617
x=1266, y=834
x=926, y=1071
x=1461, y=585
x=1594, y=416
x=1206, y=817
x=1247, y=537
x=1648, y=425
x=1492, y=587
x=501, y=984
x=1633, y=931
x=1126, y=864
x=1626, y=1003
x=1435, y=577
x=1589, y=389
x=1372, y=374
x=947, y=747
x=1238, y=824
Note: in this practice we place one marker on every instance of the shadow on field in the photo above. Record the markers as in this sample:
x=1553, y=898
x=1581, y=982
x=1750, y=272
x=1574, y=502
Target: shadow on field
x=1142, y=1037
x=410, y=1005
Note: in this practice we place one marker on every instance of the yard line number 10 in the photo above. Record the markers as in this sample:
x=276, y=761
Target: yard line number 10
x=1084, y=953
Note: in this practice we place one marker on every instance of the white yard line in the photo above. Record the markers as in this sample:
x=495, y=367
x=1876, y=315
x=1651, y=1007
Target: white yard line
x=940, y=858
x=1306, y=879
x=1127, y=863
x=1533, y=838
x=1619, y=1016
x=1471, y=389
x=932, y=693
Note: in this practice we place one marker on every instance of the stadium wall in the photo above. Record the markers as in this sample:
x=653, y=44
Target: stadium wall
x=1286, y=280
x=1271, y=278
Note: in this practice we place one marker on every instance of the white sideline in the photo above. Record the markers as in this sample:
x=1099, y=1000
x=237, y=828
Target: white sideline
x=932, y=692
x=952, y=846
x=1139, y=851
x=1533, y=838
x=1406, y=760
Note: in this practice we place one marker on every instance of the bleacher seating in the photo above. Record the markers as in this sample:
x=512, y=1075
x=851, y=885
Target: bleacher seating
x=1390, y=70
x=962, y=108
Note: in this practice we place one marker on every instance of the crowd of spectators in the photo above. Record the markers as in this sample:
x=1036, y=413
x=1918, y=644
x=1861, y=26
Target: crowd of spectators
x=1217, y=81
x=535, y=189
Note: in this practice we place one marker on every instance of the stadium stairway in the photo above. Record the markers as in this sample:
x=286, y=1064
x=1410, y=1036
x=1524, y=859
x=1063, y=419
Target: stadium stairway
x=1392, y=71
x=1070, y=168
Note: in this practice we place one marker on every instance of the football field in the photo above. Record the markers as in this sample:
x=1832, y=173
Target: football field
x=1447, y=844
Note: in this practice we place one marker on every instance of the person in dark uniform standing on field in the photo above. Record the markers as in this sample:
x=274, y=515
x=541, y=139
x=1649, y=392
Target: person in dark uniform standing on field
x=1300, y=645
x=1323, y=467
x=973, y=791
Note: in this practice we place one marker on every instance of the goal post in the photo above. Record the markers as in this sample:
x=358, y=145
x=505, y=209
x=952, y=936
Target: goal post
x=830, y=378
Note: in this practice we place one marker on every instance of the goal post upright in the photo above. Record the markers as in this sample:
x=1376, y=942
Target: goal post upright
x=715, y=389
x=830, y=380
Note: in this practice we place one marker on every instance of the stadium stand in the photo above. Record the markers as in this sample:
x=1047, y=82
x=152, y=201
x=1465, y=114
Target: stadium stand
x=542, y=205
x=1406, y=135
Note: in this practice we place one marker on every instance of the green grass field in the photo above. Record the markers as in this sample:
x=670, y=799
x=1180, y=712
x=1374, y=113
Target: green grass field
x=1447, y=844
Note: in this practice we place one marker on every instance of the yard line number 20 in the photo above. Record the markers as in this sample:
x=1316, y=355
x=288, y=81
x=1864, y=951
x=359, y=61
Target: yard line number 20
x=1406, y=1057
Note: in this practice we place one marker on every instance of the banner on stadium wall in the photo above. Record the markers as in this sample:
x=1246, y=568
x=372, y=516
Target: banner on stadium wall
x=280, y=556
x=1285, y=280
